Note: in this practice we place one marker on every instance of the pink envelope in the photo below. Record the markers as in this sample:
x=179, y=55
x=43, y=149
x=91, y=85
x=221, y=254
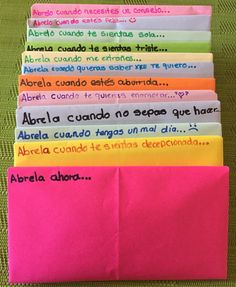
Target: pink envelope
x=117, y=223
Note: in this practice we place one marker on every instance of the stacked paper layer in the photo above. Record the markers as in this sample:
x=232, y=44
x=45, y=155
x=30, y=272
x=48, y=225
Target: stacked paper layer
x=118, y=126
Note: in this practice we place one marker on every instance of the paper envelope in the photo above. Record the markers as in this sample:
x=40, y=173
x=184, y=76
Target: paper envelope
x=117, y=223
x=33, y=57
x=158, y=151
x=95, y=83
x=189, y=22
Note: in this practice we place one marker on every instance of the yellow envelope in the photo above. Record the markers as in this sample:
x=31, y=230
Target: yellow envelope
x=108, y=58
x=176, y=151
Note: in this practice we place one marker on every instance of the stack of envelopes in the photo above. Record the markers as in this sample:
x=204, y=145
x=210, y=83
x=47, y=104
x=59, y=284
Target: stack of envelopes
x=118, y=148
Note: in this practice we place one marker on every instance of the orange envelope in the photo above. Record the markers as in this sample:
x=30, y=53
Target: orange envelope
x=92, y=83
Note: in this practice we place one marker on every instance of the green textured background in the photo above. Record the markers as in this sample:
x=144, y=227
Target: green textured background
x=13, y=15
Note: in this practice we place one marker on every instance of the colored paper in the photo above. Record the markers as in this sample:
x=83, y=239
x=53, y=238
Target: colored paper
x=47, y=98
x=186, y=23
x=167, y=69
x=148, y=113
x=118, y=147
x=116, y=131
x=29, y=57
x=140, y=223
x=94, y=83
x=46, y=10
x=167, y=151
x=119, y=36
x=138, y=47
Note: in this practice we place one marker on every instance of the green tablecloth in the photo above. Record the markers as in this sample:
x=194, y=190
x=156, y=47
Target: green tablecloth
x=13, y=15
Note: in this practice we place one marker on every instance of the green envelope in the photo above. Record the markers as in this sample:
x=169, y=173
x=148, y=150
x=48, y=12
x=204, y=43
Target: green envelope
x=155, y=47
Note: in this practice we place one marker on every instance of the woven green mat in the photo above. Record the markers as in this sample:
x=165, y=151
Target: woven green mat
x=13, y=15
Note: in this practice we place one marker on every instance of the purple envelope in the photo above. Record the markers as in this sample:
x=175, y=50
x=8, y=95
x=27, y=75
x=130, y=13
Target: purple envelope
x=117, y=223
